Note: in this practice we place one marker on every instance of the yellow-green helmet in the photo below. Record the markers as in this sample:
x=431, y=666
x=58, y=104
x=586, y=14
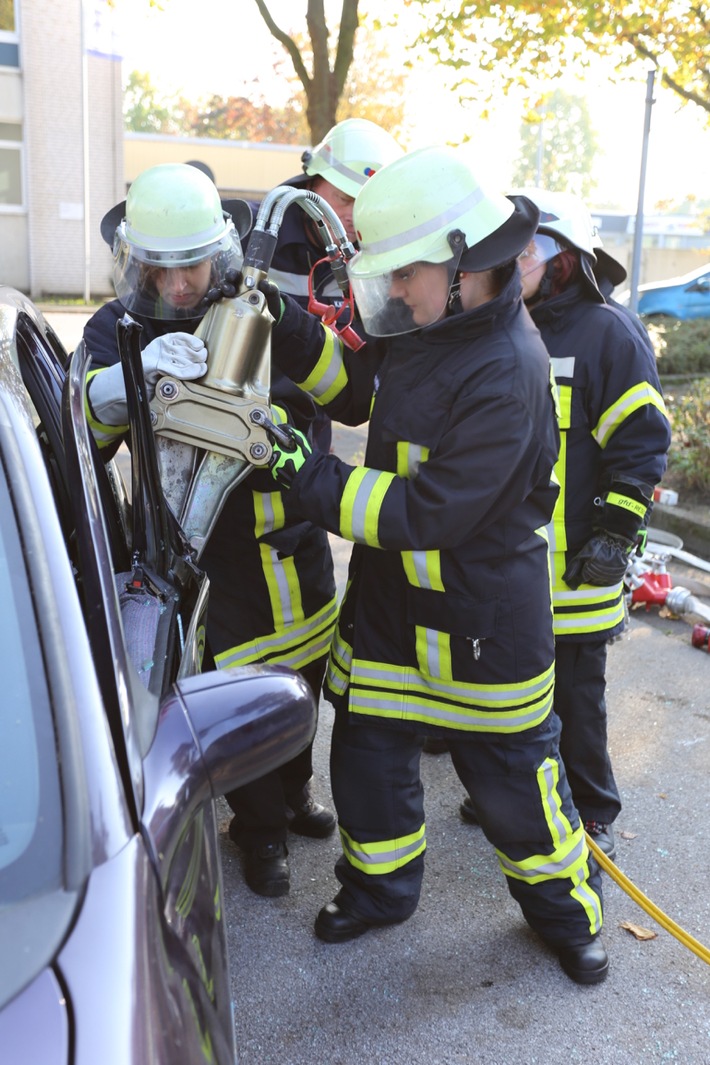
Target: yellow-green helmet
x=429, y=207
x=172, y=218
x=350, y=153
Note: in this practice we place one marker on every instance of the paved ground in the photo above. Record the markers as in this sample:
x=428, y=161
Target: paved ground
x=464, y=982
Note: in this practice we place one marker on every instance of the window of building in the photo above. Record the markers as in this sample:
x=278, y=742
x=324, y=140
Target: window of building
x=7, y=18
x=9, y=48
x=10, y=164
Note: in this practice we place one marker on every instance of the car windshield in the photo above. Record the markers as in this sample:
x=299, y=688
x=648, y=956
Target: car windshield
x=31, y=823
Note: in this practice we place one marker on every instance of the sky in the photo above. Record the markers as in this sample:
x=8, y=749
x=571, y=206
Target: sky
x=194, y=48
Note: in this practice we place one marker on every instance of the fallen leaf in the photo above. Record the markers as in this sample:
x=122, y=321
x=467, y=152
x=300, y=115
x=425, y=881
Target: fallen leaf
x=662, y=795
x=628, y=835
x=637, y=931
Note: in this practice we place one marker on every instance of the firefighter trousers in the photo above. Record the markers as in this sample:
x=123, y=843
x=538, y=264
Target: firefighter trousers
x=580, y=683
x=260, y=807
x=522, y=801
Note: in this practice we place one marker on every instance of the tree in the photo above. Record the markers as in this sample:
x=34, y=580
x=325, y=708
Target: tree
x=557, y=145
x=143, y=110
x=519, y=40
x=325, y=82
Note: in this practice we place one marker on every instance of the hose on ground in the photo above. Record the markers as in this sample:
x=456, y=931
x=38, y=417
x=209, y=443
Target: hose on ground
x=645, y=903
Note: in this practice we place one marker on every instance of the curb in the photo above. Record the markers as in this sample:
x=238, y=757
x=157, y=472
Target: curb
x=693, y=527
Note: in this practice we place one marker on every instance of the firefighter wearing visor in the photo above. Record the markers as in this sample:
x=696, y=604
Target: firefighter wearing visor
x=615, y=440
x=446, y=627
x=272, y=596
x=336, y=169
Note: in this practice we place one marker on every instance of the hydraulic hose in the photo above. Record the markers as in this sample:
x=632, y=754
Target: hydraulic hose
x=645, y=903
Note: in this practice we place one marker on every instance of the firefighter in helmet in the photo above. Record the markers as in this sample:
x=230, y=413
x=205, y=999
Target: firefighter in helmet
x=336, y=169
x=272, y=596
x=615, y=439
x=446, y=627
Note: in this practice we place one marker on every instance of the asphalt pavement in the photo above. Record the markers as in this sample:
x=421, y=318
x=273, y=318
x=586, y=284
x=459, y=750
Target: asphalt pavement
x=464, y=981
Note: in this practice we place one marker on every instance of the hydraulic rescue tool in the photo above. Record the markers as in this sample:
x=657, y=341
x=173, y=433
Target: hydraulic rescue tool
x=211, y=432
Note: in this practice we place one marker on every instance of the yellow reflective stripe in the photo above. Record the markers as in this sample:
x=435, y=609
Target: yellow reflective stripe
x=403, y=693
x=640, y=395
x=564, y=406
x=339, y=662
x=423, y=569
x=268, y=512
x=360, y=504
x=386, y=855
x=569, y=856
x=296, y=645
x=434, y=652
x=589, y=608
x=409, y=457
x=102, y=434
x=632, y=505
x=328, y=377
x=284, y=589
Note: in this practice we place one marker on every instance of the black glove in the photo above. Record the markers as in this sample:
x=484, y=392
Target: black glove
x=226, y=289
x=288, y=457
x=624, y=507
x=602, y=561
x=229, y=286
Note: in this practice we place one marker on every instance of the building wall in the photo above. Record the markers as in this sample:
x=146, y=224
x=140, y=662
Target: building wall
x=240, y=168
x=62, y=255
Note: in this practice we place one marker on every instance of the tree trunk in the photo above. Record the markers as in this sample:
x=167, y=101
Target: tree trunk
x=323, y=87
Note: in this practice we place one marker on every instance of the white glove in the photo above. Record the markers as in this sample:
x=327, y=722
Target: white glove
x=175, y=354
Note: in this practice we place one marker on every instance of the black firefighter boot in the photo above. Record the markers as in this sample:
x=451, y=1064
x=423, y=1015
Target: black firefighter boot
x=306, y=817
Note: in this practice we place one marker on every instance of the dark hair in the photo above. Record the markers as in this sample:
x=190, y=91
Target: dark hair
x=565, y=269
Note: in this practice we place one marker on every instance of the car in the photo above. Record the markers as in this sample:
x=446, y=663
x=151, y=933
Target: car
x=678, y=297
x=113, y=744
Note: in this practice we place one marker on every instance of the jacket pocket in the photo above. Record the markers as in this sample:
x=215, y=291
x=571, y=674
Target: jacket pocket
x=449, y=631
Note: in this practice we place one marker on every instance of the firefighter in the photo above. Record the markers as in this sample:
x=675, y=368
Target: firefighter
x=615, y=440
x=336, y=169
x=445, y=628
x=272, y=589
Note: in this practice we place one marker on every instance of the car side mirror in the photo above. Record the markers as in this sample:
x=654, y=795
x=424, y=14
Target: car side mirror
x=702, y=285
x=218, y=731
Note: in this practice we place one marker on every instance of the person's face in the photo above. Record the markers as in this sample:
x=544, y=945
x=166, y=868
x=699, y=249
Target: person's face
x=341, y=203
x=532, y=269
x=183, y=286
x=424, y=287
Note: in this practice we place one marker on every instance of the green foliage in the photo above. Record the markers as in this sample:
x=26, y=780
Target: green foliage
x=681, y=347
x=689, y=458
x=523, y=40
x=144, y=111
x=557, y=146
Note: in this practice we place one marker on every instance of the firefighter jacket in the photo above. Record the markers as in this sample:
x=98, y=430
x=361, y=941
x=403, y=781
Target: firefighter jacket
x=272, y=588
x=446, y=619
x=613, y=421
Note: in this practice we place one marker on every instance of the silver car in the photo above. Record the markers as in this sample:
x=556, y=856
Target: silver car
x=113, y=746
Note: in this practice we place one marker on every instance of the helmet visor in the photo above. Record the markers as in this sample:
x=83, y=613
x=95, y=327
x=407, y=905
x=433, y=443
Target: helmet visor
x=170, y=284
x=541, y=249
x=402, y=300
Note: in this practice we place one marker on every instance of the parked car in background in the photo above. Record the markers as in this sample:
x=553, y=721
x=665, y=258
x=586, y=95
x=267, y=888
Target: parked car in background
x=679, y=297
x=113, y=746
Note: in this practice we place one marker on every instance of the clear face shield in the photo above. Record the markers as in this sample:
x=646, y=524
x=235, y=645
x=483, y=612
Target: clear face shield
x=541, y=249
x=170, y=284
x=404, y=299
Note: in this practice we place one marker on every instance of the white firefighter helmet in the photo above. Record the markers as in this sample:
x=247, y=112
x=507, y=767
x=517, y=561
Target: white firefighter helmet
x=565, y=222
x=350, y=153
x=425, y=208
x=172, y=219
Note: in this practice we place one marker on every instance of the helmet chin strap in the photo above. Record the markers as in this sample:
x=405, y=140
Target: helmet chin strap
x=454, y=304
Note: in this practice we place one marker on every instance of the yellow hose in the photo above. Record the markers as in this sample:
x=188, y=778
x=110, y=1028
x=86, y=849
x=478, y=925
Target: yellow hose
x=645, y=903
